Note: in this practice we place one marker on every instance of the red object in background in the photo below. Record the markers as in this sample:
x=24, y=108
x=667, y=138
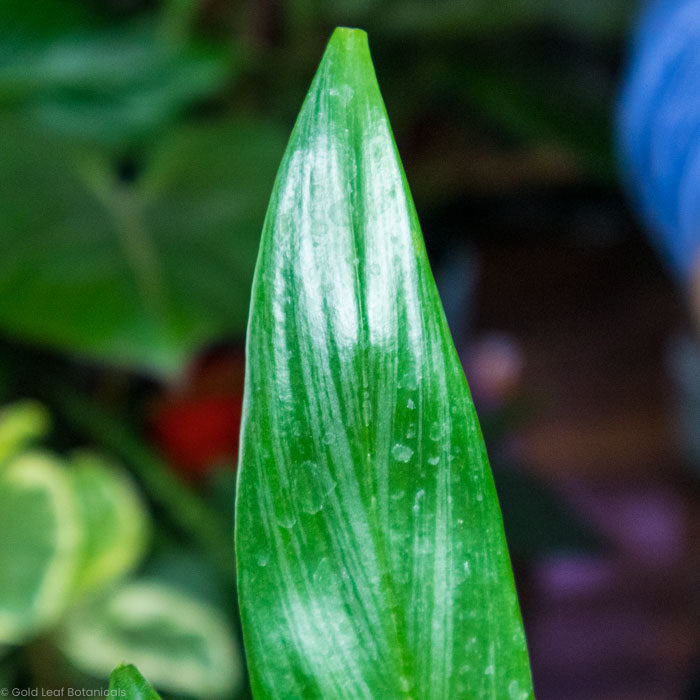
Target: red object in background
x=196, y=425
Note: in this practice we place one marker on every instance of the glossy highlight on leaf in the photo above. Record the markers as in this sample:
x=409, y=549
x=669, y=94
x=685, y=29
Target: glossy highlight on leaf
x=370, y=547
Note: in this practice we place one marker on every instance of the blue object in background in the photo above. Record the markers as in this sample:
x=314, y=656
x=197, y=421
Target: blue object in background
x=659, y=128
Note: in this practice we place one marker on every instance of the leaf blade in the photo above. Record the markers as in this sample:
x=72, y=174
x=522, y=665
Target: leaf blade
x=369, y=540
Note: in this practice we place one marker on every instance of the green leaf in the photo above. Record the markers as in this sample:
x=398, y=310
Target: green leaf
x=136, y=273
x=21, y=423
x=188, y=514
x=182, y=645
x=114, y=519
x=126, y=682
x=39, y=540
x=371, y=555
x=42, y=18
x=114, y=87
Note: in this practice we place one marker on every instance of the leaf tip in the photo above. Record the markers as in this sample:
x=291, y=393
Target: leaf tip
x=349, y=41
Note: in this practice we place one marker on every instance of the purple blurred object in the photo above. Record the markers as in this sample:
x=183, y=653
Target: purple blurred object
x=613, y=626
x=659, y=128
x=494, y=367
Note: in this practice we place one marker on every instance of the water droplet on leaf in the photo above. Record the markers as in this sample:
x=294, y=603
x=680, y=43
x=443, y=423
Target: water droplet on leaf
x=401, y=453
x=435, y=431
x=311, y=486
x=419, y=497
x=515, y=692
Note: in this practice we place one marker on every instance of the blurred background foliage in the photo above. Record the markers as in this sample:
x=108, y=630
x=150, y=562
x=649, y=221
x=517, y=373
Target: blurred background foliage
x=139, y=141
x=142, y=139
x=138, y=193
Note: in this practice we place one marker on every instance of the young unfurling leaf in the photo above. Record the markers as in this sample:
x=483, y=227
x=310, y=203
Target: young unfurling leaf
x=126, y=682
x=371, y=555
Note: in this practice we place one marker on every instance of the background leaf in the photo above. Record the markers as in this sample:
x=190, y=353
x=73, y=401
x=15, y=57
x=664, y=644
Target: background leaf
x=371, y=553
x=115, y=523
x=114, y=88
x=21, y=423
x=39, y=540
x=182, y=645
x=138, y=272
